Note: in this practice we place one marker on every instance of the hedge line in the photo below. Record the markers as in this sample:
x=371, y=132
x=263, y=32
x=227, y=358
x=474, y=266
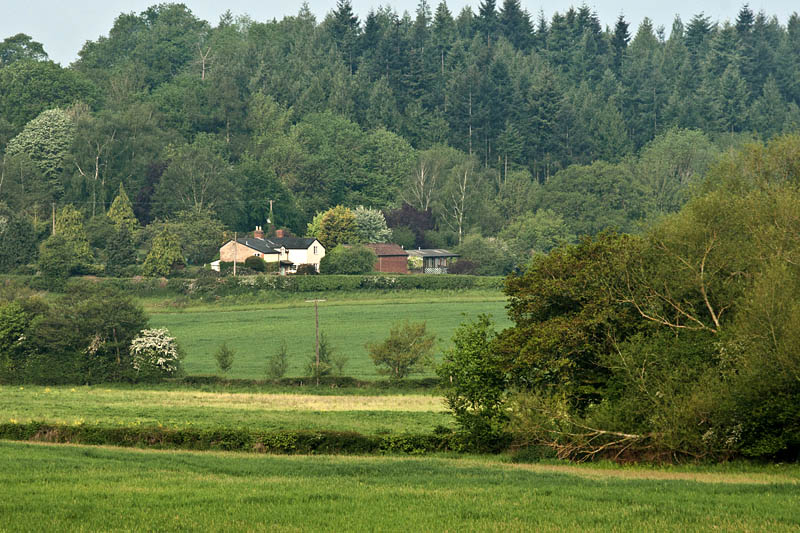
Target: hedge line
x=326, y=381
x=212, y=286
x=244, y=440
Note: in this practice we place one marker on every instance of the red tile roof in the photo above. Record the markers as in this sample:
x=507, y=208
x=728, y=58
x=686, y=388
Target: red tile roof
x=386, y=250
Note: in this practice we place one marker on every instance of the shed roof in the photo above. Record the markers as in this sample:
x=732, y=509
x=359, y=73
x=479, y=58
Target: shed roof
x=386, y=249
x=431, y=252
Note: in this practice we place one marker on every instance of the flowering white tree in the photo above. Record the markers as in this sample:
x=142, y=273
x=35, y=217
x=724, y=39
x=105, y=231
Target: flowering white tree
x=154, y=350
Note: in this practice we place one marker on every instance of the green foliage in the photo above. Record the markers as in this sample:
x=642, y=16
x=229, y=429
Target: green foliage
x=348, y=260
x=278, y=363
x=256, y=264
x=475, y=383
x=407, y=350
x=165, y=254
x=120, y=252
x=537, y=232
x=17, y=240
x=46, y=141
x=567, y=317
x=29, y=88
x=199, y=178
x=20, y=47
x=321, y=364
x=67, y=252
x=404, y=236
x=14, y=322
x=486, y=256
x=121, y=212
x=224, y=357
x=336, y=226
x=370, y=226
x=84, y=337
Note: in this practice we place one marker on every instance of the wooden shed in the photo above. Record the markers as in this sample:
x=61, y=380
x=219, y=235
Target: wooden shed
x=434, y=260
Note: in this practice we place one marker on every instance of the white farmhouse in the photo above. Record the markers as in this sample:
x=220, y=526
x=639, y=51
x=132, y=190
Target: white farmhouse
x=288, y=252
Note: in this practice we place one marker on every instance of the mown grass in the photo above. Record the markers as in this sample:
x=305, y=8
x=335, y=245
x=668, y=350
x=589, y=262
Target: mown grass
x=410, y=413
x=88, y=488
x=255, y=331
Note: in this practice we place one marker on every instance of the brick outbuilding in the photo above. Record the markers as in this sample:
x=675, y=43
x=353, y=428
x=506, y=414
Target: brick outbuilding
x=391, y=258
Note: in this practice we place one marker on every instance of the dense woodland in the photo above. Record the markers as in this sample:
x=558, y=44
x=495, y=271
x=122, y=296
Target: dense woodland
x=492, y=129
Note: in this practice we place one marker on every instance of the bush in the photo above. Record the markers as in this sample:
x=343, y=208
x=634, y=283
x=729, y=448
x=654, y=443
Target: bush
x=474, y=383
x=256, y=264
x=238, y=439
x=326, y=352
x=156, y=354
x=224, y=357
x=407, y=350
x=306, y=270
x=278, y=363
x=348, y=260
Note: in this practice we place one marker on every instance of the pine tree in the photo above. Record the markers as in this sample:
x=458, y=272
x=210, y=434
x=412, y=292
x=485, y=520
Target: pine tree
x=731, y=99
x=120, y=252
x=344, y=29
x=619, y=42
x=515, y=25
x=121, y=212
x=488, y=23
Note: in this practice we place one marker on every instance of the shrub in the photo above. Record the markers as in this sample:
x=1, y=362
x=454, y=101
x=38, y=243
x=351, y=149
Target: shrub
x=306, y=269
x=474, y=382
x=404, y=236
x=326, y=351
x=224, y=357
x=407, y=350
x=255, y=264
x=348, y=260
x=278, y=363
x=155, y=353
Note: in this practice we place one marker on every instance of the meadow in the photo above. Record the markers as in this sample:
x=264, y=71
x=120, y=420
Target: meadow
x=66, y=487
x=257, y=411
x=255, y=330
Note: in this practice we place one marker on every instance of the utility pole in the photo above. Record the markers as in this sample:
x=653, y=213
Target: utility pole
x=316, y=324
x=235, y=249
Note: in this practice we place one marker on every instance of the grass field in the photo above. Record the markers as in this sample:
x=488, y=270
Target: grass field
x=254, y=331
x=44, y=487
x=409, y=413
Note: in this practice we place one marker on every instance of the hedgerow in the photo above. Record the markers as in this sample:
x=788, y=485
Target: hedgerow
x=238, y=439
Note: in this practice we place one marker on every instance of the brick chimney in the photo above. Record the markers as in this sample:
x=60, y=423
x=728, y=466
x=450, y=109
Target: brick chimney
x=279, y=233
x=258, y=233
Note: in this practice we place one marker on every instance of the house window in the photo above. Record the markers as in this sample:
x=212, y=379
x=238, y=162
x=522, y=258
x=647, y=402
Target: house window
x=315, y=250
x=258, y=254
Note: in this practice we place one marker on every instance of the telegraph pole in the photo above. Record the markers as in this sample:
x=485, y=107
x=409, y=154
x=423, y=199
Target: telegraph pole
x=316, y=328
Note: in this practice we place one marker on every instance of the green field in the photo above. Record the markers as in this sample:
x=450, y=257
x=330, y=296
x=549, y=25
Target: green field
x=47, y=488
x=254, y=331
x=408, y=413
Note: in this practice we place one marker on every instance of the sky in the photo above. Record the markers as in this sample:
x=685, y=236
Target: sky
x=63, y=26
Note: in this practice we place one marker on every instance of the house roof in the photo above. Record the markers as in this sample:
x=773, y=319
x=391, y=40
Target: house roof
x=259, y=245
x=386, y=249
x=290, y=243
x=272, y=245
x=431, y=252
